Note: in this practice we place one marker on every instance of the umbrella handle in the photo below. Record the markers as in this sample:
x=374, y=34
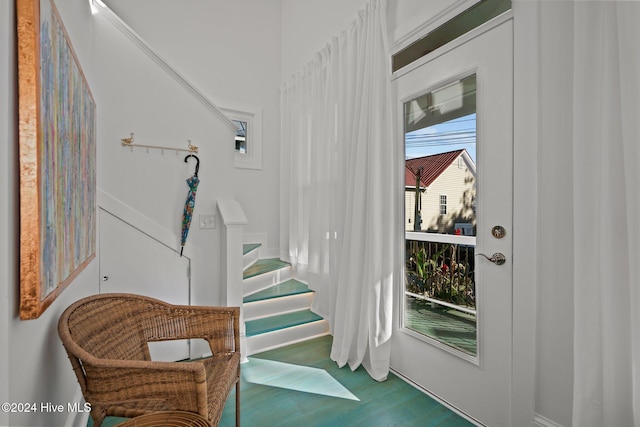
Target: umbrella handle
x=197, y=162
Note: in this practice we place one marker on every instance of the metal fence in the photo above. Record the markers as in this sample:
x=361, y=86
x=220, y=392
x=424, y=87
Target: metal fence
x=440, y=268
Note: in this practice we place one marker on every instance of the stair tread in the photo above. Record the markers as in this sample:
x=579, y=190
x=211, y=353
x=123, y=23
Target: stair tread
x=262, y=266
x=280, y=321
x=284, y=289
x=248, y=247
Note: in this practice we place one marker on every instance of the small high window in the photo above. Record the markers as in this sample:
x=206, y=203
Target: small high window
x=248, y=138
x=241, y=136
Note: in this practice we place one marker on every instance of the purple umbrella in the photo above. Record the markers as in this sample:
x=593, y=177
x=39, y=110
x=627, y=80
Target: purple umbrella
x=192, y=182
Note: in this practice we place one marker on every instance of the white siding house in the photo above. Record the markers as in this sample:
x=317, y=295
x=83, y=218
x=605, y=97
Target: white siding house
x=447, y=193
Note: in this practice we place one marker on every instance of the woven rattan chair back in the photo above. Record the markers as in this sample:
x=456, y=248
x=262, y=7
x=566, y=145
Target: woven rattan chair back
x=92, y=325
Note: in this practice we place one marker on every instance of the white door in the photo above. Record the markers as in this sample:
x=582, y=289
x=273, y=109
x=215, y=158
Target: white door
x=453, y=335
x=133, y=262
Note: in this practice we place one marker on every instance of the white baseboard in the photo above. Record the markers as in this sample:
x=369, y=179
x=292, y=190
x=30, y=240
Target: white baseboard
x=437, y=398
x=541, y=421
x=140, y=222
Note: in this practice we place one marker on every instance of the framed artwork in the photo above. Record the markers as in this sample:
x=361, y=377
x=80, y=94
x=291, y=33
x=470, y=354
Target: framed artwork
x=57, y=150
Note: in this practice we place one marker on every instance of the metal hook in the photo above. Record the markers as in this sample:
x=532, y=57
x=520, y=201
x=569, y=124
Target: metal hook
x=197, y=162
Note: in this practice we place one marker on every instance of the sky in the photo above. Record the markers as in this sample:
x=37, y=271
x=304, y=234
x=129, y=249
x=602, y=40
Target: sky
x=448, y=136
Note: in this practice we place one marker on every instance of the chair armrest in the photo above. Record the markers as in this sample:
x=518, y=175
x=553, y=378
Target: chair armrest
x=183, y=384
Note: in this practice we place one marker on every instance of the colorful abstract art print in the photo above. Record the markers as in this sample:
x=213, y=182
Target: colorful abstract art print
x=57, y=149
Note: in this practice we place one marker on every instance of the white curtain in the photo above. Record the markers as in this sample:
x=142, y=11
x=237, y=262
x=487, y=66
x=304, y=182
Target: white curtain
x=338, y=179
x=601, y=51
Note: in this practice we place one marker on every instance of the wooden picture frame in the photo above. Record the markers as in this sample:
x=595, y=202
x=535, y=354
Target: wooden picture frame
x=57, y=155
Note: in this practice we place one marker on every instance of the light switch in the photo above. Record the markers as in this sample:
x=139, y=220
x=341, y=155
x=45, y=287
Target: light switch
x=207, y=221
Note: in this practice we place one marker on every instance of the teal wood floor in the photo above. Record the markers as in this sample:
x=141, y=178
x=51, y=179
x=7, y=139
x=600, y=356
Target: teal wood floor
x=299, y=385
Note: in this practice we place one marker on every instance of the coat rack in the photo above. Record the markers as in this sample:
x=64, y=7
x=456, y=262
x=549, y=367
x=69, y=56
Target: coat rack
x=128, y=142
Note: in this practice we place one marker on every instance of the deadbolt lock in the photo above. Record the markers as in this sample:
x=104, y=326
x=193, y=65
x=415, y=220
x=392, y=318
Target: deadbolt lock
x=498, y=232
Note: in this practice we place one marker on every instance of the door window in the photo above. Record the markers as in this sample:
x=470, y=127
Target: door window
x=440, y=196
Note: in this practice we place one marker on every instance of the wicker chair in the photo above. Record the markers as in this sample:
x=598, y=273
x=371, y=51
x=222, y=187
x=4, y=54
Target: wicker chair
x=106, y=339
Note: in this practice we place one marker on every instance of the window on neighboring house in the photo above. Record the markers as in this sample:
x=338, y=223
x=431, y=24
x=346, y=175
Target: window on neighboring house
x=443, y=204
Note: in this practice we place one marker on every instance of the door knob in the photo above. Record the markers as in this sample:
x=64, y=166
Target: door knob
x=497, y=258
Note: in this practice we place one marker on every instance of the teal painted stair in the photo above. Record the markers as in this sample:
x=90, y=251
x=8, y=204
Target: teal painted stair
x=250, y=254
x=248, y=247
x=280, y=321
x=263, y=266
x=276, y=305
x=290, y=287
x=290, y=295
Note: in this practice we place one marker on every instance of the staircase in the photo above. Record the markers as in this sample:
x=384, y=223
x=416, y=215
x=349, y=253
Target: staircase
x=275, y=304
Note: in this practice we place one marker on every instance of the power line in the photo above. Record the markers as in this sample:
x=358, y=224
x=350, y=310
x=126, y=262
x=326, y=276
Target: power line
x=442, y=133
x=415, y=146
x=462, y=119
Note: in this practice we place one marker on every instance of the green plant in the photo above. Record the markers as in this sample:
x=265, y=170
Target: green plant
x=440, y=276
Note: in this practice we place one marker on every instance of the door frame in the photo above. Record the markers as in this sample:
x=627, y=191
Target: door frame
x=526, y=33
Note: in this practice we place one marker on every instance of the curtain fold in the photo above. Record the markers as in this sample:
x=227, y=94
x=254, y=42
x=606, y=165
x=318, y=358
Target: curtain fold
x=338, y=179
x=605, y=141
x=600, y=123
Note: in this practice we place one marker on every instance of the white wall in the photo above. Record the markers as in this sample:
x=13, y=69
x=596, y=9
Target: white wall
x=134, y=94
x=34, y=366
x=8, y=187
x=231, y=52
x=308, y=25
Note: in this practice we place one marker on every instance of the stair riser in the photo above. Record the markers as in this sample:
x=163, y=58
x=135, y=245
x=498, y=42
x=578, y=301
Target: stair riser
x=265, y=280
x=263, y=342
x=249, y=259
x=273, y=306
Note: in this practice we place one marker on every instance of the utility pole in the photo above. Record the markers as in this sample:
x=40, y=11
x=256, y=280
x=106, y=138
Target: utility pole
x=417, y=218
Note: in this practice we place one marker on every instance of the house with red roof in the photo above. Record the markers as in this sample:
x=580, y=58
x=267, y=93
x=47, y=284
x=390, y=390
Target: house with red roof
x=440, y=192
